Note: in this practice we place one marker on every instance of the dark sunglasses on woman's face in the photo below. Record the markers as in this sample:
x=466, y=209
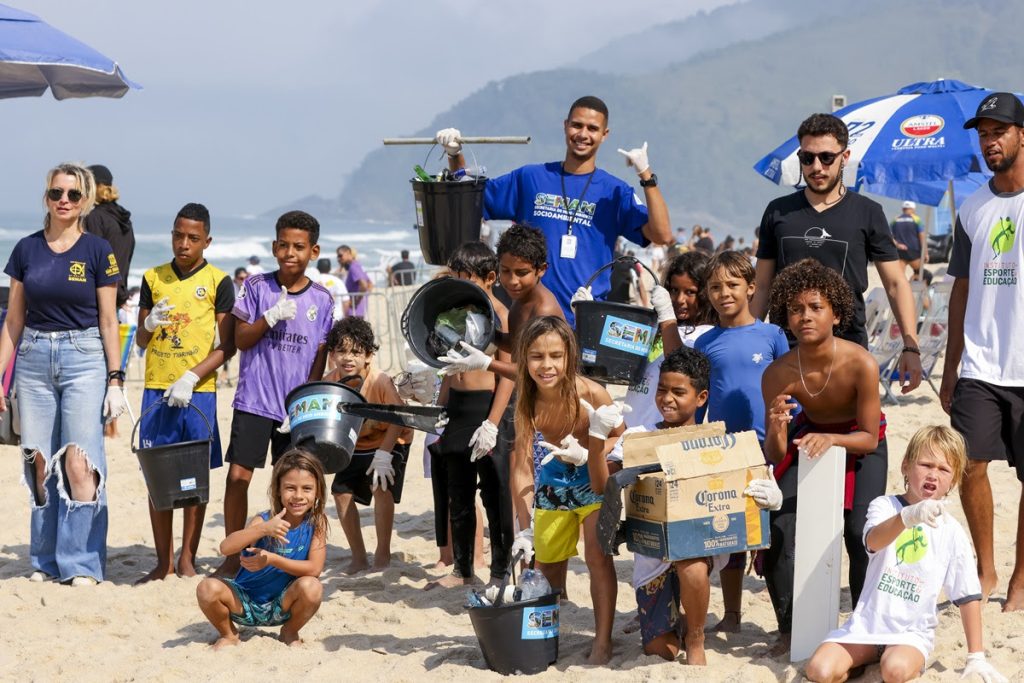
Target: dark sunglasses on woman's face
x=826, y=158
x=55, y=193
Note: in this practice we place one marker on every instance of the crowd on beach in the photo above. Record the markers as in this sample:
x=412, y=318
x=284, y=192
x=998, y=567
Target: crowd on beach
x=768, y=338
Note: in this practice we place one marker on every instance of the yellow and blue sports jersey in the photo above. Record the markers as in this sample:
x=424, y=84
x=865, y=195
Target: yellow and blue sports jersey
x=197, y=299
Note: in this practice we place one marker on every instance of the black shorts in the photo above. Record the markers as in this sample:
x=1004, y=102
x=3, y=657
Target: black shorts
x=250, y=436
x=354, y=479
x=991, y=419
x=908, y=254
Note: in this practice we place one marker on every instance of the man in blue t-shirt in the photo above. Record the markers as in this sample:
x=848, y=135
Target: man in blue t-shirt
x=581, y=209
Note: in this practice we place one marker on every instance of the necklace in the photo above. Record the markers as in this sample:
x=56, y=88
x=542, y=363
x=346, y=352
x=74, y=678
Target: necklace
x=800, y=365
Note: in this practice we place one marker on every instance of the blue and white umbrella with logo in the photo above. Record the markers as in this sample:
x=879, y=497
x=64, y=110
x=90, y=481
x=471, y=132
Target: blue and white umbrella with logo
x=35, y=57
x=913, y=137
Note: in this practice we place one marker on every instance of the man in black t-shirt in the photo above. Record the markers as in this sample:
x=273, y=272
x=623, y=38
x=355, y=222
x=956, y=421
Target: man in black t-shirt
x=841, y=229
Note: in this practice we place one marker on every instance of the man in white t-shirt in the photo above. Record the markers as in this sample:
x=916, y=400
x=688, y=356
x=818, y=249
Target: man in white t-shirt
x=986, y=324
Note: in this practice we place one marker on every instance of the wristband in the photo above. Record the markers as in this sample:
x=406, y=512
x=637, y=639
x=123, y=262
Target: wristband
x=116, y=374
x=911, y=349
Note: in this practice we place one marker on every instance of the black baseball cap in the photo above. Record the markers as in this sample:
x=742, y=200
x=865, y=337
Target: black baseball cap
x=102, y=174
x=999, y=106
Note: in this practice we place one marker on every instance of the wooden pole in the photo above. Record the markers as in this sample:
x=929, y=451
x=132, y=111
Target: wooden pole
x=484, y=140
x=818, y=561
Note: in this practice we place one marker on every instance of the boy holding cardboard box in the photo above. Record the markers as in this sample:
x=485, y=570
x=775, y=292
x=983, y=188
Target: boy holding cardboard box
x=663, y=586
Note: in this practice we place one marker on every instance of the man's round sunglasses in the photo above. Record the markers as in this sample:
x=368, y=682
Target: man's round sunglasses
x=826, y=158
x=55, y=193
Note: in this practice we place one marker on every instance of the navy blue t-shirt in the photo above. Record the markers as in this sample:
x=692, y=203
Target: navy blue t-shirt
x=60, y=289
x=608, y=209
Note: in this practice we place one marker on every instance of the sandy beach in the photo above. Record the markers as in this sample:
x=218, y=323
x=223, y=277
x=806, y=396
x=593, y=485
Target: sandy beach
x=383, y=625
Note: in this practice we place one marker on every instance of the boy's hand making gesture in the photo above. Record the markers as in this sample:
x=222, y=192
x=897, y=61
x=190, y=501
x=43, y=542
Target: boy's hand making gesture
x=277, y=527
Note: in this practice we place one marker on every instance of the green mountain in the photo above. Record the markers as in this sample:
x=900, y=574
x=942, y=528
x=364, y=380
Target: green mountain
x=709, y=118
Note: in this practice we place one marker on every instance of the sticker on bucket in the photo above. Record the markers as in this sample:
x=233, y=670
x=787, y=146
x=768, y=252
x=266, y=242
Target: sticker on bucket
x=314, y=407
x=626, y=335
x=188, y=484
x=589, y=356
x=419, y=213
x=540, y=623
x=352, y=435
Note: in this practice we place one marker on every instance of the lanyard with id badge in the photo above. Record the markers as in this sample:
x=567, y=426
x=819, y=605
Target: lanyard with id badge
x=569, y=240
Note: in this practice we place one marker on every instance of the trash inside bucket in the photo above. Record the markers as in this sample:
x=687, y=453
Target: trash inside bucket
x=518, y=637
x=177, y=475
x=319, y=424
x=435, y=298
x=448, y=213
x=614, y=339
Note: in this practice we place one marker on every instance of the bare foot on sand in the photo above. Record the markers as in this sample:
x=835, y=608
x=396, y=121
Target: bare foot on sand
x=730, y=623
x=158, y=574
x=290, y=638
x=381, y=561
x=780, y=647
x=186, y=567
x=356, y=566
x=450, y=581
x=228, y=568
x=600, y=654
x=694, y=644
x=226, y=641
x=441, y=564
x=1014, y=596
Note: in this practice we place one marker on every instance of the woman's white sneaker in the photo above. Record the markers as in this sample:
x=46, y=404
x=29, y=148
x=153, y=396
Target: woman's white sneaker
x=79, y=581
x=39, y=577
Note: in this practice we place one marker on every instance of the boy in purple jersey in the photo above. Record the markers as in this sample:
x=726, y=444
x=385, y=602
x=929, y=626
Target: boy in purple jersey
x=281, y=323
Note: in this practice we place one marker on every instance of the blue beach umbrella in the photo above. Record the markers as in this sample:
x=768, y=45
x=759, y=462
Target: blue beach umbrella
x=931, y=192
x=35, y=56
x=903, y=140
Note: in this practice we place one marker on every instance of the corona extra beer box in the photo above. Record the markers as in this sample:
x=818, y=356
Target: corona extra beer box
x=695, y=506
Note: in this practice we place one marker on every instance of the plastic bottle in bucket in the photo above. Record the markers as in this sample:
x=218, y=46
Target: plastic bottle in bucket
x=518, y=637
x=320, y=425
x=614, y=339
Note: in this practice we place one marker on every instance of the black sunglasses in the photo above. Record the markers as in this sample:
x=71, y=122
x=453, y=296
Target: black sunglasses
x=826, y=158
x=55, y=193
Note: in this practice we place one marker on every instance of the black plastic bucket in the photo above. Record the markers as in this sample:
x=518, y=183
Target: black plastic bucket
x=319, y=425
x=448, y=213
x=518, y=637
x=177, y=475
x=434, y=298
x=614, y=339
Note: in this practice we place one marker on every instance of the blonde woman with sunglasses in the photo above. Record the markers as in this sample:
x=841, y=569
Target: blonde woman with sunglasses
x=62, y=324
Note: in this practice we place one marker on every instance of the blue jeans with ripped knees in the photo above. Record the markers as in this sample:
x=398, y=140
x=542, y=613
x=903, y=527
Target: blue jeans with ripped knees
x=61, y=381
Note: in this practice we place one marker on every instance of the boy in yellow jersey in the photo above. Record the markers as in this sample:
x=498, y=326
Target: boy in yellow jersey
x=185, y=325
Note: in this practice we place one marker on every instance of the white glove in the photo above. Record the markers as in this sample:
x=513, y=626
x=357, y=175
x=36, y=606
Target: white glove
x=179, y=394
x=662, y=302
x=637, y=158
x=419, y=386
x=382, y=469
x=582, y=294
x=286, y=426
x=159, y=315
x=442, y=421
x=605, y=419
x=114, y=403
x=475, y=359
x=449, y=139
x=523, y=541
x=483, y=441
x=570, y=452
x=282, y=310
x=927, y=512
x=765, y=492
x=977, y=664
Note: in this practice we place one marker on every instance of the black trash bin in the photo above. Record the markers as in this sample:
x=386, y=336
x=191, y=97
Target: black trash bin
x=448, y=213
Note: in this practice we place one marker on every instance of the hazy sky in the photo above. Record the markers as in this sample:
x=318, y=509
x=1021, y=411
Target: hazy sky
x=248, y=105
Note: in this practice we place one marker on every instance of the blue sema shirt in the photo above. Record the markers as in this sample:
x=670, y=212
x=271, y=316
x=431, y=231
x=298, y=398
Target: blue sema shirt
x=607, y=209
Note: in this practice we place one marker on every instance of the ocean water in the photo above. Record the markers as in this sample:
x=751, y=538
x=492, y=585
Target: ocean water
x=236, y=238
